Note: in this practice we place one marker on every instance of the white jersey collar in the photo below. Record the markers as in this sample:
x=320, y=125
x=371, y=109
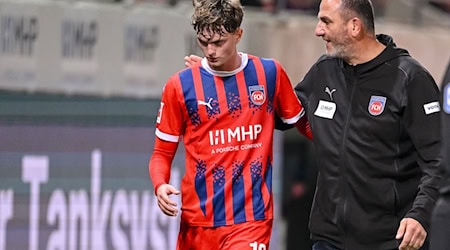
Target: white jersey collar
x=244, y=61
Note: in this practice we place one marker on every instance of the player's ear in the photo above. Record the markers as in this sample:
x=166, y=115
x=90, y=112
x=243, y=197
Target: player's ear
x=239, y=33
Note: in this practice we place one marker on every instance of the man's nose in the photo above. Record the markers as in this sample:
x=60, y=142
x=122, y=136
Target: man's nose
x=211, y=50
x=319, y=31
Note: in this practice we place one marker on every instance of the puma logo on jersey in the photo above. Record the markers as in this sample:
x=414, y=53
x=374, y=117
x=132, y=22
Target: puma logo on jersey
x=207, y=104
x=330, y=92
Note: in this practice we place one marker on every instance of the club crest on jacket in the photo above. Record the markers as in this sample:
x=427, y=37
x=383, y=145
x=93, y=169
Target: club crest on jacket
x=376, y=105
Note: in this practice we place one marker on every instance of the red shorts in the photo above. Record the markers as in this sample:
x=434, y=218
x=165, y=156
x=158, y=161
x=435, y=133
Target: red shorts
x=253, y=235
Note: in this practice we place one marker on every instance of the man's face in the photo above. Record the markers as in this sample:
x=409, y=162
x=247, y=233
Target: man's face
x=333, y=29
x=220, y=49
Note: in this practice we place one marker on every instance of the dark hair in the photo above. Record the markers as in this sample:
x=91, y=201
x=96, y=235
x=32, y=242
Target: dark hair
x=363, y=9
x=215, y=16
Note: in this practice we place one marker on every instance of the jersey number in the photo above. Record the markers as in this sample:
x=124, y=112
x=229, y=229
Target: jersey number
x=256, y=246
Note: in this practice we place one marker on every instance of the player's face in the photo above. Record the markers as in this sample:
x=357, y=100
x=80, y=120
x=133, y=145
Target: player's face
x=220, y=50
x=333, y=29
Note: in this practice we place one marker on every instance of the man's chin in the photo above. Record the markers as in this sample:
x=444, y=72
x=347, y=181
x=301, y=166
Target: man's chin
x=334, y=53
x=331, y=53
x=215, y=65
x=329, y=50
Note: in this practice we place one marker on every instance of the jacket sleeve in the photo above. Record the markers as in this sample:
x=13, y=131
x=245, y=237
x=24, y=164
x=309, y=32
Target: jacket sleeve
x=422, y=119
x=305, y=87
x=445, y=131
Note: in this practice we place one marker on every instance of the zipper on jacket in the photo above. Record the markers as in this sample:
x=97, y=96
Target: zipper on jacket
x=348, y=71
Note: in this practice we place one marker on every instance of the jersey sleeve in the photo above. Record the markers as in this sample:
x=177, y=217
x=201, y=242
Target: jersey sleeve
x=287, y=105
x=160, y=162
x=169, y=122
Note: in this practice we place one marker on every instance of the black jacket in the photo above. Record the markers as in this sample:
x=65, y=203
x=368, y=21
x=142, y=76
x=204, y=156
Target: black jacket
x=377, y=135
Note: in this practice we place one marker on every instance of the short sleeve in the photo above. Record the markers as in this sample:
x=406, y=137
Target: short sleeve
x=287, y=105
x=169, y=122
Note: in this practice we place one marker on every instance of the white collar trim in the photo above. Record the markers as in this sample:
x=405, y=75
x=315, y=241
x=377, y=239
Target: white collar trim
x=244, y=62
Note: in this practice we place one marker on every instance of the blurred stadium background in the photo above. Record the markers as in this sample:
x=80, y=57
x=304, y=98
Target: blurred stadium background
x=80, y=83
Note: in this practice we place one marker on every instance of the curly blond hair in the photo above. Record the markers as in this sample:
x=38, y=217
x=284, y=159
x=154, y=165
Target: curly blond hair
x=217, y=16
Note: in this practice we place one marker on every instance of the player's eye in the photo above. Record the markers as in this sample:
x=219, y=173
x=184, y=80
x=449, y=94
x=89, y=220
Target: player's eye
x=219, y=43
x=202, y=43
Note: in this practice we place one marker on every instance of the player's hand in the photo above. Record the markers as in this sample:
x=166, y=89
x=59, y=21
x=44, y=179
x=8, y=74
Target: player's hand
x=411, y=233
x=167, y=206
x=191, y=60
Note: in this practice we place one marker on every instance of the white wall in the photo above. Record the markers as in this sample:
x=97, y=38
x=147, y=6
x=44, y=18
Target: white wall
x=88, y=56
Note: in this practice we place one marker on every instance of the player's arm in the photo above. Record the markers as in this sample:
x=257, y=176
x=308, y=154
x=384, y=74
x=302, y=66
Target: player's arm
x=303, y=127
x=290, y=103
x=159, y=168
x=280, y=125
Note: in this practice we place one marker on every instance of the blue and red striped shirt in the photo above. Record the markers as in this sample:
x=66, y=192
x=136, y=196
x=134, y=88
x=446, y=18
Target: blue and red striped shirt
x=226, y=121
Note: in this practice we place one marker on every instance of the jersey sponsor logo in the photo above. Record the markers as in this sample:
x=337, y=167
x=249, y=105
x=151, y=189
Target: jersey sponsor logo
x=238, y=134
x=447, y=98
x=376, y=105
x=158, y=119
x=227, y=149
x=325, y=109
x=431, y=108
x=257, y=94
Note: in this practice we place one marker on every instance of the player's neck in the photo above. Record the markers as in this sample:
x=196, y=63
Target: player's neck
x=234, y=63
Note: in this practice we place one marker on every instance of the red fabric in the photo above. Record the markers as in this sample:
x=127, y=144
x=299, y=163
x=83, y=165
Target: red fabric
x=226, y=125
x=248, y=235
x=303, y=127
x=160, y=162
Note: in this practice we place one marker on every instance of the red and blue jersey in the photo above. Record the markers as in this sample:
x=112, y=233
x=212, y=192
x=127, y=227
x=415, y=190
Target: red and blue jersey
x=226, y=121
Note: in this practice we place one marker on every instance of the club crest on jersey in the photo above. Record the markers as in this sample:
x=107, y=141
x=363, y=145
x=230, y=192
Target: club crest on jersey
x=257, y=94
x=376, y=105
